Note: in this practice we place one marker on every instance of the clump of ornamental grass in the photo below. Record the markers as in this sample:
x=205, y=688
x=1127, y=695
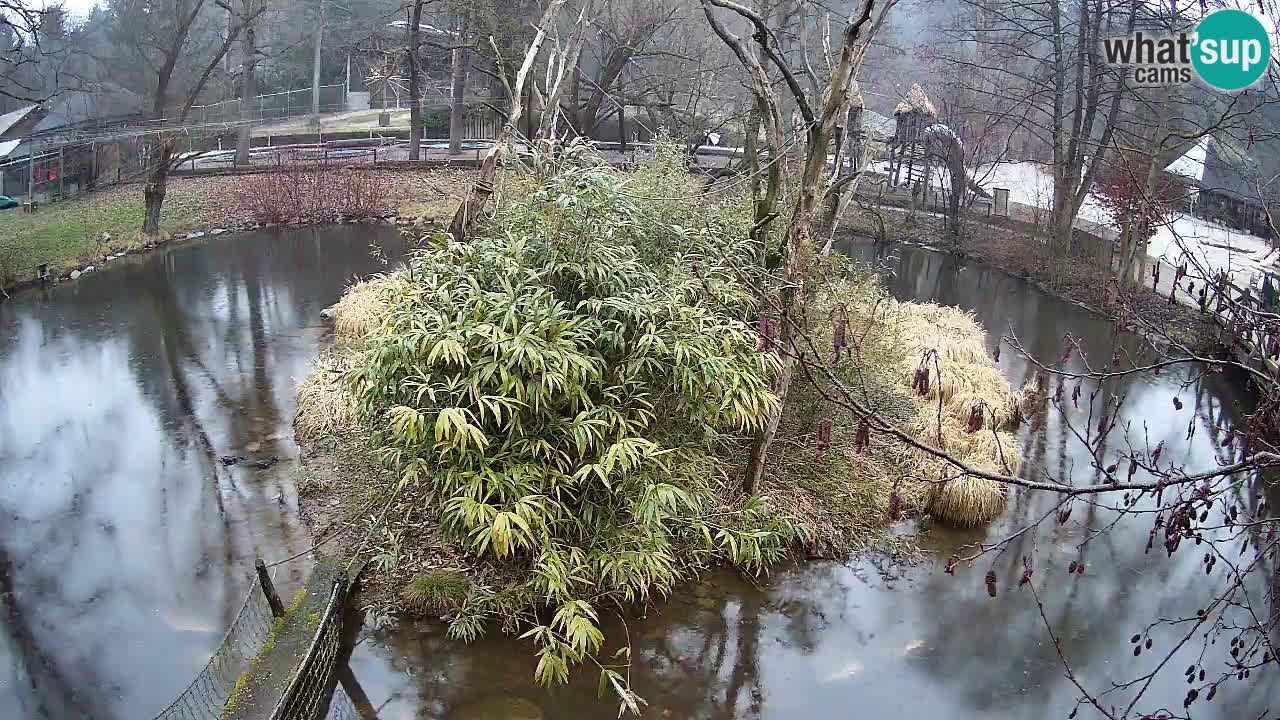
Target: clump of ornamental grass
x=921, y=367
x=363, y=307
x=436, y=593
x=325, y=403
x=967, y=409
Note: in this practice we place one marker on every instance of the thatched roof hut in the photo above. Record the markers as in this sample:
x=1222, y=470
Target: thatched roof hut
x=916, y=102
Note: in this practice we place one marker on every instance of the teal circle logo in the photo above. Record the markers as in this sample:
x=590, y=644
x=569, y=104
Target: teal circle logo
x=1232, y=49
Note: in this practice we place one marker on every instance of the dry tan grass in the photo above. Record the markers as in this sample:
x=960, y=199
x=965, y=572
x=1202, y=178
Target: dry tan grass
x=362, y=308
x=951, y=345
x=842, y=496
x=967, y=501
x=324, y=405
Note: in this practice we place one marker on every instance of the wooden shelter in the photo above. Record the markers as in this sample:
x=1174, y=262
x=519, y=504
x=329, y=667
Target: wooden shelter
x=911, y=117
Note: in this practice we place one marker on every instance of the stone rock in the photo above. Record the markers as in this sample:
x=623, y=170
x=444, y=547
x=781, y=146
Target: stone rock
x=90, y=269
x=217, y=231
x=197, y=234
x=329, y=313
x=75, y=274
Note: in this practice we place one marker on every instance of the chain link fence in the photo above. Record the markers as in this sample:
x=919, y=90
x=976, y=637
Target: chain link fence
x=276, y=106
x=205, y=697
x=308, y=695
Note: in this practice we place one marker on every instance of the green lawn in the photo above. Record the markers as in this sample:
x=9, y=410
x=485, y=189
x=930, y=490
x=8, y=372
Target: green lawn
x=66, y=234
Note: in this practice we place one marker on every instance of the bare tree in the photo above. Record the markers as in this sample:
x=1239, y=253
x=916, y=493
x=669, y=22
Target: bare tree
x=481, y=190
x=180, y=45
x=248, y=77
x=819, y=122
x=625, y=33
x=460, y=64
x=413, y=53
x=29, y=56
x=1045, y=56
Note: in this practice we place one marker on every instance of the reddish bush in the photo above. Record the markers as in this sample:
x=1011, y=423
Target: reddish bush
x=1122, y=191
x=298, y=193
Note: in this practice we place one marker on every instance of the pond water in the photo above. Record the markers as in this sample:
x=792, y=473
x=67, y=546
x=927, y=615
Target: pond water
x=125, y=541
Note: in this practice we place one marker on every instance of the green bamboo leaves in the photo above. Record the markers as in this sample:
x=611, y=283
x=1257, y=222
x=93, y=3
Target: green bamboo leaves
x=560, y=395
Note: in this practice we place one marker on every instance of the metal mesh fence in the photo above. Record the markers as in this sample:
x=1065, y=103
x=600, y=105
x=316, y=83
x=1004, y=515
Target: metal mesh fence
x=307, y=697
x=276, y=106
x=205, y=696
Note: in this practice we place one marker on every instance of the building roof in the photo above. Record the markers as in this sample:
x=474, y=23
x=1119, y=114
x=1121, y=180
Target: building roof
x=1217, y=165
x=77, y=107
x=1190, y=165
x=7, y=147
x=916, y=102
x=424, y=27
x=9, y=119
x=876, y=125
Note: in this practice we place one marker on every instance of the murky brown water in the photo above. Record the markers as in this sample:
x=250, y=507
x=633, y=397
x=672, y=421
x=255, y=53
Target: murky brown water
x=125, y=541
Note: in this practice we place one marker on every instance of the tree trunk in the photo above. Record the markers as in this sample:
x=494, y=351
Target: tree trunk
x=248, y=91
x=315, y=67
x=415, y=82
x=565, y=64
x=153, y=193
x=457, y=95
x=798, y=281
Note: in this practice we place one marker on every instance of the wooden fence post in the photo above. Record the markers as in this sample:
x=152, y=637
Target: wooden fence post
x=269, y=589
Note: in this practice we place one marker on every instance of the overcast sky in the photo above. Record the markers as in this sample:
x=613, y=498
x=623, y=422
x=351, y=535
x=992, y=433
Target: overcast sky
x=77, y=8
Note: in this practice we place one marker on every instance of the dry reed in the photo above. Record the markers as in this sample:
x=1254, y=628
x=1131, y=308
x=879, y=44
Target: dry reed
x=845, y=493
x=325, y=406
x=363, y=307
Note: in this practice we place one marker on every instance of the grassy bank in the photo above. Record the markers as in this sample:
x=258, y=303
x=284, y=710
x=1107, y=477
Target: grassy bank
x=71, y=234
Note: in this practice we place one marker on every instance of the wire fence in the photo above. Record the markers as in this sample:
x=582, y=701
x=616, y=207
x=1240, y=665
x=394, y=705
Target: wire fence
x=205, y=697
x=308, y=695
x=275, y=106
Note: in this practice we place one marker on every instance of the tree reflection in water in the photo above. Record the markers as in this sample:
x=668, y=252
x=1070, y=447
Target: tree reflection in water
x=127, y=545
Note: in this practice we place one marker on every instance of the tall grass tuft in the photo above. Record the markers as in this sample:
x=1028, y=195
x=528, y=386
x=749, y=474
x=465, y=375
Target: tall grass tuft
x=436, y=592
x=325, y=404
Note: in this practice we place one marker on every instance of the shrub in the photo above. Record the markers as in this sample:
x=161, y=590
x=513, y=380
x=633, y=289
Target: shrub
x=560, y=402
x=310, y=193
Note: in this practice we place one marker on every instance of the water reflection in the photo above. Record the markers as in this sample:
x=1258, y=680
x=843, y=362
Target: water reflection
x=833, y=639
x=126, y=543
